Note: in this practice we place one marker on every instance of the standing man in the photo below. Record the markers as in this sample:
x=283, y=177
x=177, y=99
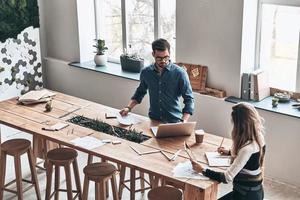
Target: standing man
x=166, y=83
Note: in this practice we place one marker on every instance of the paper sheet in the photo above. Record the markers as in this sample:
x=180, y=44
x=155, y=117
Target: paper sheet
x=185, y=170
x=217, y=160
x=88, y=142
x=127, y=120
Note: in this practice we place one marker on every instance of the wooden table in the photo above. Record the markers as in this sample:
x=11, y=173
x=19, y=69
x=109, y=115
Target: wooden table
x=32, y=119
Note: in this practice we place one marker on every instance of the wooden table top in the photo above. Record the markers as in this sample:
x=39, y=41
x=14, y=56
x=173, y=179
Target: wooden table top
x=32, y=119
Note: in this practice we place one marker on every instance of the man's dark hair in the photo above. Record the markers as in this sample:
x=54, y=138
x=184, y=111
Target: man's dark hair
x=160, y=45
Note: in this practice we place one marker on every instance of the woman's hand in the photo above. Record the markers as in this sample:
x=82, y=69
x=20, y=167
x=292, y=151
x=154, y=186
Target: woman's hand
x=196, y=166
x=223, y=151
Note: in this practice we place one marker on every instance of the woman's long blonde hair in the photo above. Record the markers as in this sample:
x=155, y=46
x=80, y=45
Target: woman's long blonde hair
x=247, y=127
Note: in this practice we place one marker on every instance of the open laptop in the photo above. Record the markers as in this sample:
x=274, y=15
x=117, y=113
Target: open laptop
x=174, y=129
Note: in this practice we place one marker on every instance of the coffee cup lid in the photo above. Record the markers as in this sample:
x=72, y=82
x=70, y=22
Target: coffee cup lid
x=199, y=131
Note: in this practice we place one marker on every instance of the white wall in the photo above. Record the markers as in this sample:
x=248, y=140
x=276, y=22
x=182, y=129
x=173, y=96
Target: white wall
x=209, y=32
x=217, y=43
x=61, y=29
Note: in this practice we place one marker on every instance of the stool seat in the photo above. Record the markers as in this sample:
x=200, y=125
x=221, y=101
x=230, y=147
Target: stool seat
x=14, y=146
x=62, y=154
x=165, y=192
x=62, y=157
x=99, y=169
x=100, y=173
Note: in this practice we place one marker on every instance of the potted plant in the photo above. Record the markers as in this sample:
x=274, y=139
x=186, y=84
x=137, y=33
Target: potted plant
x=131, y=62
x=100, y=57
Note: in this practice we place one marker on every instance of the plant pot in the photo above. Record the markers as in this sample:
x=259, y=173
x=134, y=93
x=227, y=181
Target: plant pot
x=100, y=60
x=131, y=65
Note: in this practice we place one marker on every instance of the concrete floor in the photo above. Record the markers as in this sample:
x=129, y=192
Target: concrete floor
x=274, y=190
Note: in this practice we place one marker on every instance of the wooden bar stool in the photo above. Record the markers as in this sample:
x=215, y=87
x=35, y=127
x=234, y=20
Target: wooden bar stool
x=165, y=193
x=100, y=173
x=62, y=157
x=16, y=148
x=132, y=181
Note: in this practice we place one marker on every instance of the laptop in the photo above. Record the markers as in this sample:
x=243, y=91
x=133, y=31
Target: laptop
x=174, y=129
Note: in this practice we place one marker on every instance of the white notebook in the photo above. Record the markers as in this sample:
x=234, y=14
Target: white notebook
x=217, y=160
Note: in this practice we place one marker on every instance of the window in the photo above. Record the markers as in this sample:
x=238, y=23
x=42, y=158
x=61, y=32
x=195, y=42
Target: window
x=279, y=41
x=134, y=24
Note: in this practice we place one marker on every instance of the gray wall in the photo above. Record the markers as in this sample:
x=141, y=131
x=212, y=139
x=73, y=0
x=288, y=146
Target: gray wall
x=208, y=32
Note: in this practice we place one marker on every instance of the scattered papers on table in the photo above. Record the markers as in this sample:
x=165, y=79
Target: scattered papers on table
x=88, y=142
x=185, y=170
x=127, y=120
x=217, y=160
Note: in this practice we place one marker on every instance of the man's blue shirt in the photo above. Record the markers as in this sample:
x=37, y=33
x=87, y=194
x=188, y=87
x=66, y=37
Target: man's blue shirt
x=165, y=91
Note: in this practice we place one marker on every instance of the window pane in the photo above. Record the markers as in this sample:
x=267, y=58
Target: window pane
x=112, y=27
x=140, y=27
x=279, y=44
x=168, y=26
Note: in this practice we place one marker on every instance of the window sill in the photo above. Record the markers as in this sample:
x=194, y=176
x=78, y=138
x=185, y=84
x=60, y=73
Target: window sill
x=266, y=104
x=111, y=69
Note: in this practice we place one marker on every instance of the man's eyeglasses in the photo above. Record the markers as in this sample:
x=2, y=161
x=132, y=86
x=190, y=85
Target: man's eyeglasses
x=162, y=59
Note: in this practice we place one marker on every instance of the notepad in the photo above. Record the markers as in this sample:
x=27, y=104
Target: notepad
x=217, y=160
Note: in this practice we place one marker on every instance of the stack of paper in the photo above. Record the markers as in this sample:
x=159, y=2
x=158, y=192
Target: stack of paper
x=217, y=160
x=88, y=142
x=185, y=170
x=36, y=96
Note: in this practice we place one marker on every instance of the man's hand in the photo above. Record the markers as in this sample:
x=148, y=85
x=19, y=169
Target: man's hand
x=124, y=111
x=185, y=117
x=223, y=151
x=196, y=166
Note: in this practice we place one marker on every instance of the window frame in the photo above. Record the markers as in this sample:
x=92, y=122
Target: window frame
x=124, y=19
x=295, y=3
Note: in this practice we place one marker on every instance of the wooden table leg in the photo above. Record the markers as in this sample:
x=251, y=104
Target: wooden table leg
x=132, y=184
x=191, y=192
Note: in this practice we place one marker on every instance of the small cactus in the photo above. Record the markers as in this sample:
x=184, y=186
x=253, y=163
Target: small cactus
x=48, y=106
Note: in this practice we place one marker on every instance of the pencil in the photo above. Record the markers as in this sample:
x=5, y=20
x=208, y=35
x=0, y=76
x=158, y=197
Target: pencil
x=222, y=142
x=150, y=152
x=167, y=157
x=134, y=149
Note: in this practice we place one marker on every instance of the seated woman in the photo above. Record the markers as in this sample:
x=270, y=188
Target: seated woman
x=248, y=151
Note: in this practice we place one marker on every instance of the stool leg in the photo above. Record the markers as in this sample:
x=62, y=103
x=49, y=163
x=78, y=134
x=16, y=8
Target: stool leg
x=86, y=188
x=49, y=170
x=77, y=179
x=102, y=190
x=34, y=178
x=106, y=183
x=142, y=177
x=114, y=187
x=68, y=181
x=122, y=179
x=86, y=181
x=132, y=184
x=18, y=177
x=2, y=174
x=57, y=182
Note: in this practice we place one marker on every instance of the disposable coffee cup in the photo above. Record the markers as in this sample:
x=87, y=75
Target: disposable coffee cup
x=199, y=135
